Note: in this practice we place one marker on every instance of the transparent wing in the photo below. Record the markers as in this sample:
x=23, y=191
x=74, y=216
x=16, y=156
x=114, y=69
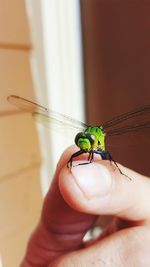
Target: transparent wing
x=138, y=119
x=46, y=116
x=129, y=128
x=140, y=114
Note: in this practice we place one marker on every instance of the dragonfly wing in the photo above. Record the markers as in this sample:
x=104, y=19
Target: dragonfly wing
x=128, y=129
x=25, y=105
x=58, y=121
x=46, y=116
x=135, y=115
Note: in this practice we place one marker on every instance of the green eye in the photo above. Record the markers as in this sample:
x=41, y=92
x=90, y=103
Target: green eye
x=78, y=136
x=91, y=138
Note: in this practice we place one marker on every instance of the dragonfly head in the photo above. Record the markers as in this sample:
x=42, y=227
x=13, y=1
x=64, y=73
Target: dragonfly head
x=86, y=141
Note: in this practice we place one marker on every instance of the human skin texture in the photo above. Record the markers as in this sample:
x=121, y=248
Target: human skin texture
x=76, y=198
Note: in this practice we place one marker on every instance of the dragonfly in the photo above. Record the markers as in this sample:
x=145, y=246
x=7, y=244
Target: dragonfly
x=89, y=139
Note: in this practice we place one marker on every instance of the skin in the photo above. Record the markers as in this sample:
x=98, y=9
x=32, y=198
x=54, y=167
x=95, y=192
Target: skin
x=74, y=202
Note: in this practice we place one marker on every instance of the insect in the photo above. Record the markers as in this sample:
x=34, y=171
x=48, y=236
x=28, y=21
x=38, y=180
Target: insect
x=89, y=139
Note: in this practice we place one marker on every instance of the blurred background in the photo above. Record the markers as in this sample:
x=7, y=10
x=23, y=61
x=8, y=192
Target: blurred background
x=86, y=59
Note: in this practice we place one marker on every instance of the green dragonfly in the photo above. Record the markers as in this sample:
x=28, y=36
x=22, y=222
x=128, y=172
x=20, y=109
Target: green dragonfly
x=89, y=139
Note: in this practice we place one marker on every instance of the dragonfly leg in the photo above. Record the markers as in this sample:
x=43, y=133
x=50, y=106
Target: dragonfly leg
x=90, y=157
x=109, y=157
x=76, y=154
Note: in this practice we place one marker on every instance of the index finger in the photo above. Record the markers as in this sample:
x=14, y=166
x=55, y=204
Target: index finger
x=60, y=229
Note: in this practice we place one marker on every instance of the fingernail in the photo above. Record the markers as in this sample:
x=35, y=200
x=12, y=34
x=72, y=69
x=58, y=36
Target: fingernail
x=93, y=179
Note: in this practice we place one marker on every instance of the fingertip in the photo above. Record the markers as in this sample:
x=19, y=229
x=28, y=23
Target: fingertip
x=99, y=188
x=82, y=184
x=93, y=179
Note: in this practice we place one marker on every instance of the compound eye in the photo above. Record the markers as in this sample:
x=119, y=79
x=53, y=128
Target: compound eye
x=78, y=136
x=91, y=138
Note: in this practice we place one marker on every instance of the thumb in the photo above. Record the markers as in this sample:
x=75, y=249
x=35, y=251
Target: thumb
x=100, y=189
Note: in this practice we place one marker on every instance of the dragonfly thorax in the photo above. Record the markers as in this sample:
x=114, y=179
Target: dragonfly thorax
x=91, y=139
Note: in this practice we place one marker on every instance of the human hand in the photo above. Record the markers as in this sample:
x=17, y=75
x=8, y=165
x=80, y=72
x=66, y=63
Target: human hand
x=74, y=201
